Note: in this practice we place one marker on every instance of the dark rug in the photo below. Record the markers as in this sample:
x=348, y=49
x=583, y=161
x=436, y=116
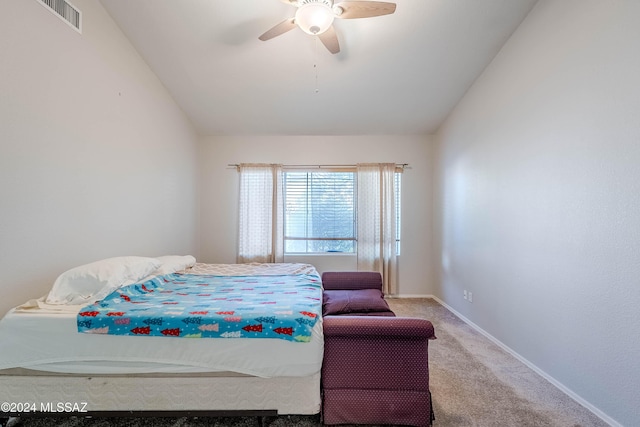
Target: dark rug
x=282, y=421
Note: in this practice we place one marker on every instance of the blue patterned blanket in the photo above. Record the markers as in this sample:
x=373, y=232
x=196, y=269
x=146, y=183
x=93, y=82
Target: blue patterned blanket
x=206, y=306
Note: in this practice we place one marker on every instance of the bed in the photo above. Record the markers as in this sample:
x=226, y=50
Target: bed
x=47, y=363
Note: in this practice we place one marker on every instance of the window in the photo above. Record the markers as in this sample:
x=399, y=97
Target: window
x=320, y=211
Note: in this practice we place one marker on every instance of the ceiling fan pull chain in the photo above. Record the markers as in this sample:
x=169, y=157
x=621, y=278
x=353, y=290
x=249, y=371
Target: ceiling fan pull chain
x=315, y=61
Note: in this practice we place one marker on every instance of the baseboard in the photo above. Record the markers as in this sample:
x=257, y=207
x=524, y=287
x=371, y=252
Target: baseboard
x=409, y=296
x=597, y=412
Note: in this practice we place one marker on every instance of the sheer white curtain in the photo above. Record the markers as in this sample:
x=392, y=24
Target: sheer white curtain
x=260, y=214
x=377, y=222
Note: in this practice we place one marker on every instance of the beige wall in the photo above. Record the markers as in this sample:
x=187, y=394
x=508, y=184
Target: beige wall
x=219, y=192
x=538, y=200
x=96, y=159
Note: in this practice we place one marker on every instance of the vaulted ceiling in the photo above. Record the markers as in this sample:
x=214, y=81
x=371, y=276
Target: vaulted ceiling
x=396, y=74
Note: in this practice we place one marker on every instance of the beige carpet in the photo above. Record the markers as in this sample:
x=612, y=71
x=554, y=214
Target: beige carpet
x=476, y=383
x=473, y=383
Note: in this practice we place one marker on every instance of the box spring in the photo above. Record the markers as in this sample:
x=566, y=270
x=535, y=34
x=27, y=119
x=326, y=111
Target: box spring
x=164, y=392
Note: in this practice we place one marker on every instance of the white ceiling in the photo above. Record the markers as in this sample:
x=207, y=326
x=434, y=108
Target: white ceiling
x=395, y=74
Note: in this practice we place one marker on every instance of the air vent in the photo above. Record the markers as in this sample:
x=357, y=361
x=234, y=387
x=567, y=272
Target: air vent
x=65, y=11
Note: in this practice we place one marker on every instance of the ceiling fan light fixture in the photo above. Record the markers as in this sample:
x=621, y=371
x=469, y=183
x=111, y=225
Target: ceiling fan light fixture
x=314, y=17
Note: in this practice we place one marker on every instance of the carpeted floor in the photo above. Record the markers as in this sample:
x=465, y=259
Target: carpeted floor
x=473, y=383
x=476, y=383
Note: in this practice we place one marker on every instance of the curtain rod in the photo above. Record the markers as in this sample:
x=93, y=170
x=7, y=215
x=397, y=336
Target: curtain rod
x=399, y=165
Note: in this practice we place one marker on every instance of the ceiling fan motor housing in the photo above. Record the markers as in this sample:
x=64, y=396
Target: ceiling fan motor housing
x=328, y=3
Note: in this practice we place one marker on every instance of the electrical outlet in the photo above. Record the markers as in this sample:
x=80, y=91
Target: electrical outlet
x=470, y=295
x=464, y=293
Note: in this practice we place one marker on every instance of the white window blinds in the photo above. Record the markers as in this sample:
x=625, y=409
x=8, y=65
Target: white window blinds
x=320, y=212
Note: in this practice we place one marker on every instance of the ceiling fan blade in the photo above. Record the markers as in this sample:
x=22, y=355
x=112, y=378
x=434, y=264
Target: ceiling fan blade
x=330, y=40
x=364, y=9
x=281, y=28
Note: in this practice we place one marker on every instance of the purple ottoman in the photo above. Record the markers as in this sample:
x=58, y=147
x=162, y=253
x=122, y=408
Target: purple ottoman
x=376, y=366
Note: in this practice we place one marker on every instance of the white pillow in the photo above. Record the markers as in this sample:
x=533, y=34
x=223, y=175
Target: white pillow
x=91, y=282
x=173, y=263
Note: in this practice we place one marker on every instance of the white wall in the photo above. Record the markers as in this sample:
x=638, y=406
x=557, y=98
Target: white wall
x=219, y=193
x=538, y=200
x=96, y=160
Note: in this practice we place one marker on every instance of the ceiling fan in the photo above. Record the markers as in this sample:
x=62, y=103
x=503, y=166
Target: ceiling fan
x=315, y=17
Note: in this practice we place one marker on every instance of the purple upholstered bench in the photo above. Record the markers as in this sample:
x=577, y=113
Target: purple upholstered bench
x=376, y=366
x=353, y=293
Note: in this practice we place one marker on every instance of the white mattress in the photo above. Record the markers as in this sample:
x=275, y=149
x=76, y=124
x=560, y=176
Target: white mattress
x=51, y=342
x=42, y=339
